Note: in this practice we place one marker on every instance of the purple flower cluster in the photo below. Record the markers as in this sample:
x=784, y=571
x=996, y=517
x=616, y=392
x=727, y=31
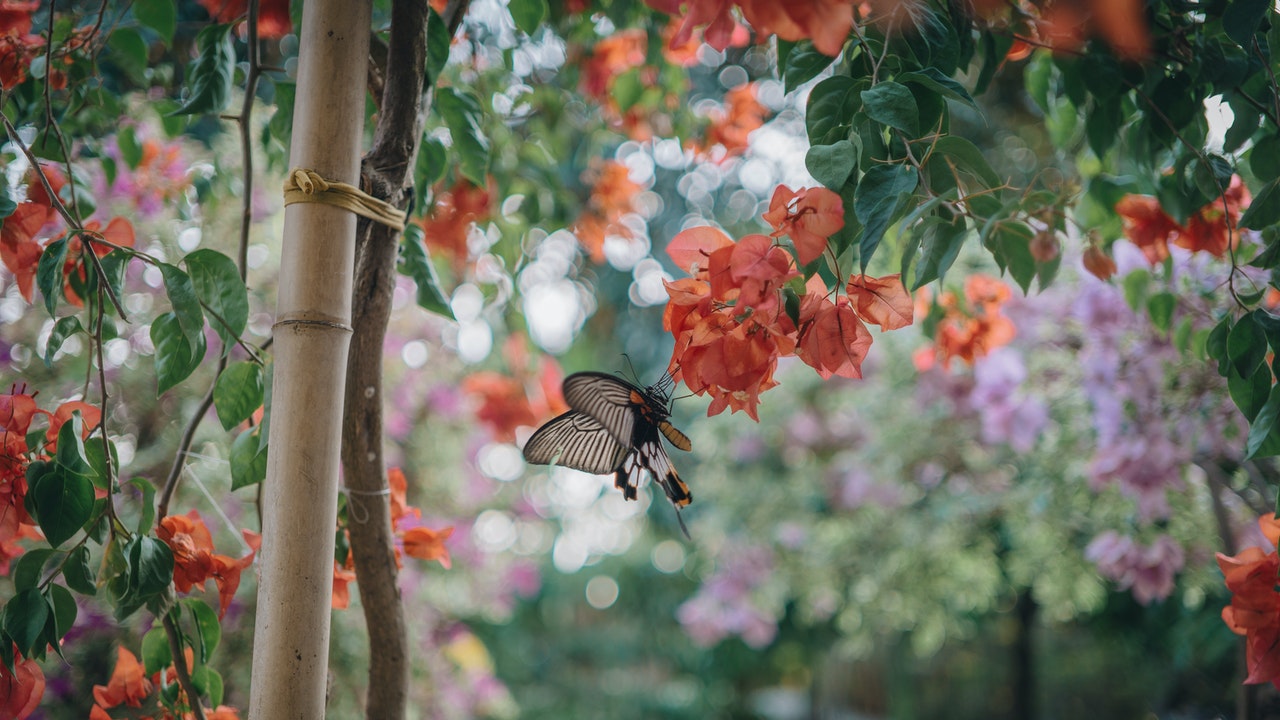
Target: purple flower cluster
x=1146, y=570
x=728, y=601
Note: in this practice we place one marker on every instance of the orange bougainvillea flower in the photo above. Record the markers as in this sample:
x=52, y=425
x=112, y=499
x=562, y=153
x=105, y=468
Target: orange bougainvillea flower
x=1099, y=263
x=1211, y=229
x=1254, y=611
x=1147, y=226
x=273, y=15
x=504, y=406
x=21, y=690
x=808, y=215
x=19, y=250
x=825, y=22
x=971, y=331
x=453, y=212
x=835, y=341
x=611, y=57
x=882, y=301
x=427, y=544
x=612, y=194
x=342, y=579
x=128, y=685
x=194, y=560
x=741, y=115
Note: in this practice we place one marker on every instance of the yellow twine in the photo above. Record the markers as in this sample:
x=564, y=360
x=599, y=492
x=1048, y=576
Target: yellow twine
x=306, y=186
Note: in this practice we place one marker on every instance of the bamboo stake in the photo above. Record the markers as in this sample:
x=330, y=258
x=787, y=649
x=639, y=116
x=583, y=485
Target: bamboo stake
x=312, y=331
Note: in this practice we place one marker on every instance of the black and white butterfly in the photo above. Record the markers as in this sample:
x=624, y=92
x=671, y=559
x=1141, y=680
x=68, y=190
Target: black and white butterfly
x=613, y=427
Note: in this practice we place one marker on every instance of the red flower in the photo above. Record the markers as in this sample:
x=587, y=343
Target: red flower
x=21, y=690
x=808, y=215
x=1254, y=611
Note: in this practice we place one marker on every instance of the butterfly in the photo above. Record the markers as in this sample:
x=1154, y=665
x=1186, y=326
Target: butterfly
x=613, y=427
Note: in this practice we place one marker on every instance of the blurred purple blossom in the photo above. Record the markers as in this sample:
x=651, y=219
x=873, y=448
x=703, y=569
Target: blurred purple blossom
x=727, y=603
x=1145, y=570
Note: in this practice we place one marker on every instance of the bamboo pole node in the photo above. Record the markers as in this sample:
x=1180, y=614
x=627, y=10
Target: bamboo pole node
x=307, y=186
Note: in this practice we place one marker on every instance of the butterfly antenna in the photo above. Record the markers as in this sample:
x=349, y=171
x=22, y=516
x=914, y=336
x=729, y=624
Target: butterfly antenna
x=632, y=368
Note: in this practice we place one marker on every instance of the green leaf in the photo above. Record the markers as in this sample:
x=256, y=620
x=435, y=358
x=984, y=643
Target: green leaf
x=129, y=52
x=1262, y=428
x=208, y=631
x=1160, y=307
x=248, y=459
x=186, y=305
x=940, y=245
x=49, y=272
x=438, y=42
x=64, y=610
x=150, y=566
x=1246, y=345
x=1010, y=245
x=1250, y=392
x=238, y=393
x=7, y=205
x=967, y=157
x=77, y=574
x=63, y=329
x=1102, y=125
x=627, y=89
x=1215, y=344
x=1240, y=19
x=528, y=14
x=832, y=164
x=1135, y=288
x=159, y=15
x=28, y=571
x=830, y=108
x=880, y=193
x=218, y=286
x=156, y=655
x=64, y=503
x=415, y=263
x=209, y=76
x=174, y=359
x=933, y=79
x=433, y=164
x=208, y=683
x=1265, y=208
x=148, y=505
x=802, y=64
x=25, y=616
x=462, y=114
x=130, y=148
x=892, y=104
x=1264, y=158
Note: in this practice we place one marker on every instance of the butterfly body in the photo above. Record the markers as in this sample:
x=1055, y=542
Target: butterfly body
x=614, y=427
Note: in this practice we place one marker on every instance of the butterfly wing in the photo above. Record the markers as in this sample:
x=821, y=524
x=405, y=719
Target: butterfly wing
x=575, y=440
x=648, y=454
x=612, y=401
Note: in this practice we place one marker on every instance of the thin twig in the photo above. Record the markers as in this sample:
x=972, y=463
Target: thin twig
x=180, y=666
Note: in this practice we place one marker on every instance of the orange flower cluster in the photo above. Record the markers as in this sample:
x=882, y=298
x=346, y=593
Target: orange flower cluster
x=416, y=541
x=1066, y=25
x=612, y=192
x=826, y=22
x=18, y=46
x=968, y=331
x=731, y=322
x=273, y=15
x=17, y=411
x=20, y=690
x=129, y=686
x=610, y=58
x=454, y=210
x=528, y=396
x=1211, y=229
x=20, y=249
x=1254, y=611
x=194, y=561
x=742, y=113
